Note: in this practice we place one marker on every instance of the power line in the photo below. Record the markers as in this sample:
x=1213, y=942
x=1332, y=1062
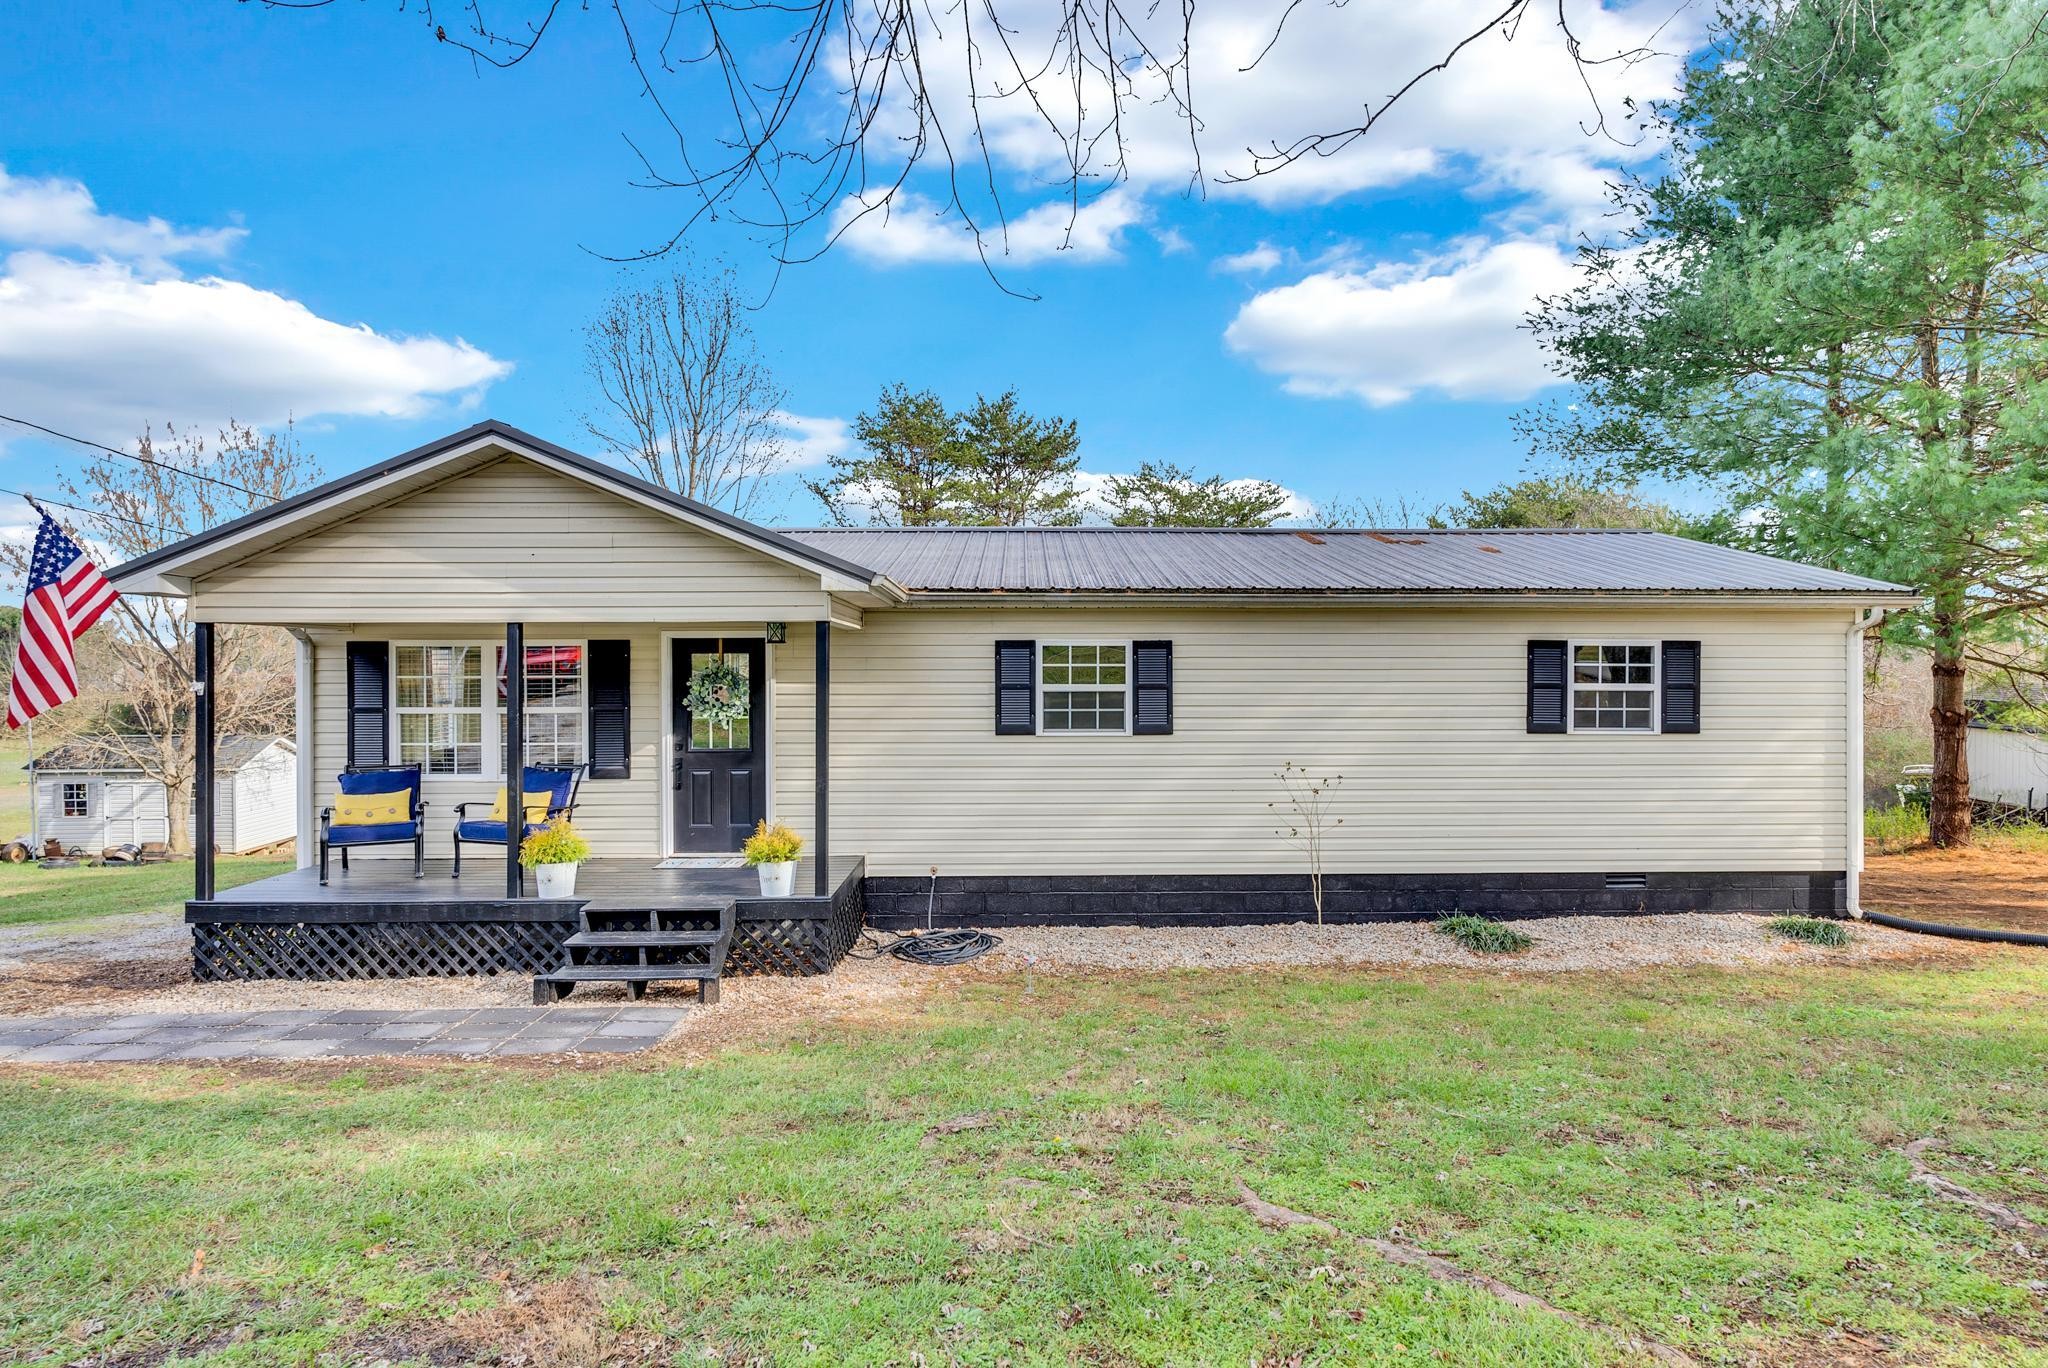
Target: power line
x=128, y=456
x=89, y=512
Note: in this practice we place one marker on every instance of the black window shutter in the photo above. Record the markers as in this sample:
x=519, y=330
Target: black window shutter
x=1016, y=691
x=1681, y=674
x=611, y=709
x=1152, y=688
x=369, y=701
x=1547, y=687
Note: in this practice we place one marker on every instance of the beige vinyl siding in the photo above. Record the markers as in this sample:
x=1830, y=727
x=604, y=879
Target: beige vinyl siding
x=621, y=817
x=509, y=540
x=1421, y=710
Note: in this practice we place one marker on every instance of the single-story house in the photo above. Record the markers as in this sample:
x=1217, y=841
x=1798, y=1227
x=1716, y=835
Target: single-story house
x=1084, y=724
x=91, y=795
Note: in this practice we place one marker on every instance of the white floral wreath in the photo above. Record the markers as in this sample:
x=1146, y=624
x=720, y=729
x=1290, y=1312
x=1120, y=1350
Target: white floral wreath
x=718, y=694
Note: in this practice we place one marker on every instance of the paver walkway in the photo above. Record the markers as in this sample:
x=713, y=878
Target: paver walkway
x=333, y=1034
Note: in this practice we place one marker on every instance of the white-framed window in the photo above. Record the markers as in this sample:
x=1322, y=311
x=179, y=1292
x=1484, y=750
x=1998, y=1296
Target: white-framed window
x=1614, y=686
x=438, y=694
x=1084, y=688
x=554, y=702
x=77, y=799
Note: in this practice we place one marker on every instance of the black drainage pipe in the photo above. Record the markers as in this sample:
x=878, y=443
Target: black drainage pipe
x=1969, y=933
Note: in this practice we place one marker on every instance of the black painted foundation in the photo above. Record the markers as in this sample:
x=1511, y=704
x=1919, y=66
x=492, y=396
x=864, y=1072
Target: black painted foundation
x=1249, y=899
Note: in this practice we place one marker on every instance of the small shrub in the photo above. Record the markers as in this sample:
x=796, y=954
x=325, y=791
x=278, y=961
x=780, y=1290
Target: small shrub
x=1812, y=930
x=1896, y=829
x=772, y=845
x=1481, y=936
x=556, y=843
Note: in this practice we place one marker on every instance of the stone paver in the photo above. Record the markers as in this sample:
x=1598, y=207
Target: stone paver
x=351, y=1034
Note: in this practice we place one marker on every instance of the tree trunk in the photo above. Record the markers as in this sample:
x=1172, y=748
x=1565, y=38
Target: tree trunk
x=178, y=805
x=1948, y=810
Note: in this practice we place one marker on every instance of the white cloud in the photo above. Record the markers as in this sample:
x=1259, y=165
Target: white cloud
x=101, y=334
x=811, y=442
x=913, y=228
x=62, y=215
x=1449, y=325
x=1508, y=116
x=1259, y=260
x=104, y=348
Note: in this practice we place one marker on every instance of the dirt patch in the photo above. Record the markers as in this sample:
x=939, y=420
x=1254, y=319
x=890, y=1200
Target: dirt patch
x=558, y=1324
x=1989, y=884
x=41, y=986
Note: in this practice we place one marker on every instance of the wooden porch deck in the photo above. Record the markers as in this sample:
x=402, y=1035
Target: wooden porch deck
x=377, y=921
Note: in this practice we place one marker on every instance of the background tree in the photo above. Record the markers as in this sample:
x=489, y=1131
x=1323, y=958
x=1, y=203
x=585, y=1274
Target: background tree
x=687, y=400
x=908, y=473
x=1016, y=469
x=1570, y=500
x=1831, y=310
x=135, y=700
x=1162, y=494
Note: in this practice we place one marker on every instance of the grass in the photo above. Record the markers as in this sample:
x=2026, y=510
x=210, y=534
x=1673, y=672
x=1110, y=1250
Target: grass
x=1895, y=829
x=1812, y=930
x=31, y=895
x=1706, y=1157
x=1481, y=935
x=14, y=789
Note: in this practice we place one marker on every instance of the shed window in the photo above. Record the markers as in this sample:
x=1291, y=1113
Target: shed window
x=76, y=802
x=440, y=697
x=1084, y=687
x=1614, y=686
x=554, y=704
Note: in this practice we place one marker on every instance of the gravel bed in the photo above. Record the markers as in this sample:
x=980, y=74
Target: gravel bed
x=1562, y=943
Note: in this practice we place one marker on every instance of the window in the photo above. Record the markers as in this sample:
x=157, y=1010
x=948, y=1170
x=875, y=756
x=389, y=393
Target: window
x=738, y=734
x=554, y=703
x=75, y=802
x=440, y=707
x=1084, y=687
x=1614, y=686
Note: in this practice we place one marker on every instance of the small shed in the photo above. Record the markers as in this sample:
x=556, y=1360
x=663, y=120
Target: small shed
x=2008, y=765
x=88, y=795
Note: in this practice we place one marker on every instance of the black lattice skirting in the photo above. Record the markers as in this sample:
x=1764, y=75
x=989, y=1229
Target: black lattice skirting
x=371, y=950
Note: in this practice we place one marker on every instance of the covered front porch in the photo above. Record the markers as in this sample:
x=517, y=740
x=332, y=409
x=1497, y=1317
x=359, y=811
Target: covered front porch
x=377, y=921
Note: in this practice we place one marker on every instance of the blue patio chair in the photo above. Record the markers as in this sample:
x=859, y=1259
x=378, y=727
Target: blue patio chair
x=560, y=785
x=389, y=829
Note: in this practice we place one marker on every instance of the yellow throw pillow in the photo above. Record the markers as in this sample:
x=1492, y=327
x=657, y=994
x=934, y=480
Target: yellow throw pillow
x=373, y=809
x=536, y=806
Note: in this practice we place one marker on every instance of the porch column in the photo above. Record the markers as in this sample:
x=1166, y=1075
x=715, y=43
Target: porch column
x=821, y=787
x=515, y=754
x=202, y=761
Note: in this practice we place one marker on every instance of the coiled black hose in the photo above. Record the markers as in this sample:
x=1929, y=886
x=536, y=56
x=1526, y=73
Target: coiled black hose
x=1969, y=933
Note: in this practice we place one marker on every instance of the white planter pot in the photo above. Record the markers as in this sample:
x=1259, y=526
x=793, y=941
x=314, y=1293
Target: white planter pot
x=555, y=880
x=778, y=880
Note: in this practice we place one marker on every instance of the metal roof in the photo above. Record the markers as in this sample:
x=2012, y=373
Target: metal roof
x=1081, y=560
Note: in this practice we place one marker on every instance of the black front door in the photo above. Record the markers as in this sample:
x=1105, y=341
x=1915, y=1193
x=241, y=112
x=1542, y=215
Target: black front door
x=719, y=764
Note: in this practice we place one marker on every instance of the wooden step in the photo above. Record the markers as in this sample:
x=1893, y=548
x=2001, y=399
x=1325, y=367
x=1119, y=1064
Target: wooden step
x=643, y=940
x=557, y=984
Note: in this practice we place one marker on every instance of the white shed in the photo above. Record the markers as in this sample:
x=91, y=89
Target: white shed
x=2009, y=767
x=89, y=798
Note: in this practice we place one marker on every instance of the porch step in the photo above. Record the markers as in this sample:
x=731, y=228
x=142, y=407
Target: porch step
x=554, y=986
x=635, y=940
x=670, y=944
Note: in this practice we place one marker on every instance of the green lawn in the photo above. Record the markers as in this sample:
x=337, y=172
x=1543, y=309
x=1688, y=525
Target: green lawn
x=30, y=894
x=1708, y=1158
x=14, y=804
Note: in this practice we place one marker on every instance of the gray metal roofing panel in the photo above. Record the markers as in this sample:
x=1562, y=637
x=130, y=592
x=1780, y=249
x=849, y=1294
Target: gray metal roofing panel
x=1289, y=560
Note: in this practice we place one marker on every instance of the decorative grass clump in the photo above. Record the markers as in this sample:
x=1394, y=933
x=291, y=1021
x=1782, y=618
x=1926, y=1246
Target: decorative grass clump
x=1481, y=936
x=1812, y=930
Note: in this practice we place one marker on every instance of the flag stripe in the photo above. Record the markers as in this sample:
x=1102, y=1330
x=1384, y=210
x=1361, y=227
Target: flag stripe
x=66, y=594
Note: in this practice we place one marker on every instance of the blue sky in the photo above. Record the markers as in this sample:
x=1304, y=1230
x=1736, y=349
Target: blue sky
x=215, y=210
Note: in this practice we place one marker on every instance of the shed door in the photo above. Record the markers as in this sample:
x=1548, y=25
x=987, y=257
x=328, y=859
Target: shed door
x=719, y=770
x=128, y=813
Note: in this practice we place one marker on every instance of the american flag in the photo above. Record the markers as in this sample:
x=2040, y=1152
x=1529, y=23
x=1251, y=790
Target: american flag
x=66, y=595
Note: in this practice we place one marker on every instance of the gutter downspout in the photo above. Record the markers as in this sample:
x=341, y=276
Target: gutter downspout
x=302, y=737
x=1852, y=866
